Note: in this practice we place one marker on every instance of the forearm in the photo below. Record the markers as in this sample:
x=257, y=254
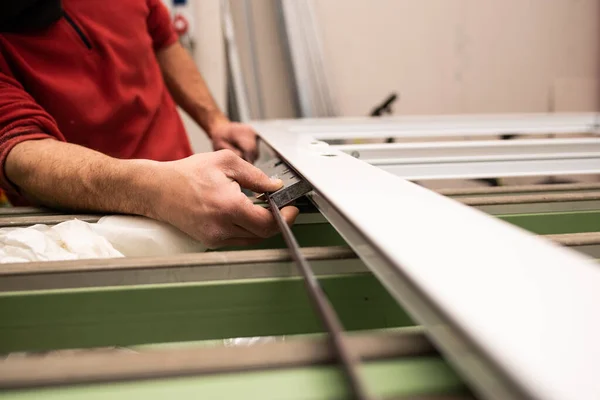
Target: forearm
x=200, y=194
x=68, y=176
x=188, y=88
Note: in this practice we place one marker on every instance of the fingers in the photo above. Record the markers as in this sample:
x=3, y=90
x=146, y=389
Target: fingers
x=247, y=175
x=260, y=221
x=240, y=236
x=257, y=220
x=289, y=214
x=238, y=232
x=250, y=227
x=218, y=213
x=224, y=235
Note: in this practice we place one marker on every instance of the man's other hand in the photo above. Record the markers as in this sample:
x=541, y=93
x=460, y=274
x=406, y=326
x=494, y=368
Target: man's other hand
x=237, y=137
x=202, y=196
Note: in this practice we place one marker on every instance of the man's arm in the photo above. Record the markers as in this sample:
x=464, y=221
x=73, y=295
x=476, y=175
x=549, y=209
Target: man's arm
x=68, y=176
x=199, y=195
x=190, y=92
x=188, y=88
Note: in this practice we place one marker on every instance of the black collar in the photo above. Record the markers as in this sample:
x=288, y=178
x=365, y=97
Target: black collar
x=17, y=16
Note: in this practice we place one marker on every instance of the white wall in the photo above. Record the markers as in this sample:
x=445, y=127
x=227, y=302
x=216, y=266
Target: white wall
x=447, y=56
x=442, y=56
x=463, y=56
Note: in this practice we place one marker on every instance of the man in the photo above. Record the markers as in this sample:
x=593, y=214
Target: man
x=88, y=121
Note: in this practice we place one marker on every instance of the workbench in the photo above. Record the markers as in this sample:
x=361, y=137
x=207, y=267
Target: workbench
x=483, y=292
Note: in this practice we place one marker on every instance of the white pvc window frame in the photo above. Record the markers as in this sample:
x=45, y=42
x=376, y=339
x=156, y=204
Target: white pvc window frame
x=515, y=313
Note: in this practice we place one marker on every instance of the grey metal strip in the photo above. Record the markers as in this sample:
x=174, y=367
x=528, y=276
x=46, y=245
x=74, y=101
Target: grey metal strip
x=5, y=211
x=540, y=208
x=563, y=187
x=20, y=221
x=123, y=271
x=217, y=258
x=25, y=219
x=529, y=199
x=86, y=366
x=210, y=273
x=576, y=239
x=211, y=266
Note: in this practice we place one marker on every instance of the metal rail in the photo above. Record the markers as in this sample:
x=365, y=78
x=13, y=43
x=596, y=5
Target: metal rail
x=244, y=258
x=576, y=239
x=20, y=221
x=190, y=260
x=197, y=267
x=22, y=211
x=326, y=312
x=210, y=266
x=520, y=189
x=529, y=198
x=106, y=365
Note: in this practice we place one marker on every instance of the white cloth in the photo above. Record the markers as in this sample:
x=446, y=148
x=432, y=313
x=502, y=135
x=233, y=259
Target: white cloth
x=70, y=240
x=140, y=236
x=112, y=236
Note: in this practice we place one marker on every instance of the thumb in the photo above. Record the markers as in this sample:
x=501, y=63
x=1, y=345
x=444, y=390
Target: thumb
x=250, y=177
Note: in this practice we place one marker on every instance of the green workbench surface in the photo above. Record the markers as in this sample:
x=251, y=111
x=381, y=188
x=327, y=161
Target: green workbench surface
x=130, y=315
x=405, y=376
x=556, y=223
x=323, y=234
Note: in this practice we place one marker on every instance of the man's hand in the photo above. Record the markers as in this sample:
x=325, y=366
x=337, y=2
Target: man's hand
x=202, y=196
x=239, y=138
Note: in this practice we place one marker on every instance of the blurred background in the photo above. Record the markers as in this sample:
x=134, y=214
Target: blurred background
x=285, y=59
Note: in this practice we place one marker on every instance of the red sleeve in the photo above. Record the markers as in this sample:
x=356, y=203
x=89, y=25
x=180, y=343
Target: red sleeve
x=160, y=26
x=21, y=119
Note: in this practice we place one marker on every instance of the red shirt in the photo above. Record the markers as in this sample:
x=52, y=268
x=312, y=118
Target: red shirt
x=92, y=78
